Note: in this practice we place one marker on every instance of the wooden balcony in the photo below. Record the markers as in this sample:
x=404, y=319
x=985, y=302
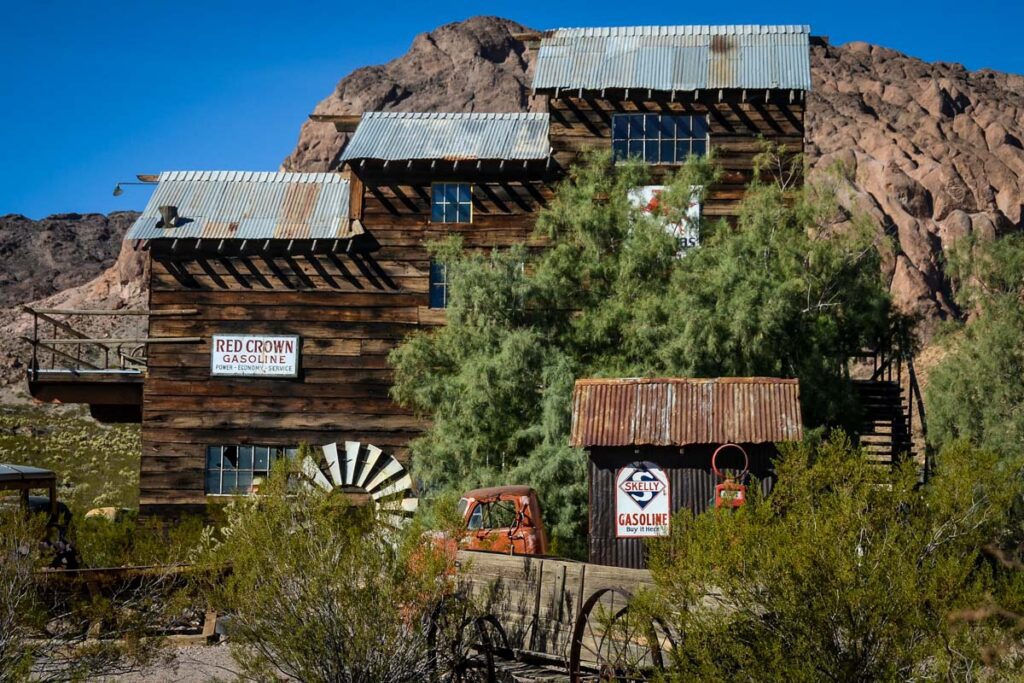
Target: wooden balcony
x=68, y=365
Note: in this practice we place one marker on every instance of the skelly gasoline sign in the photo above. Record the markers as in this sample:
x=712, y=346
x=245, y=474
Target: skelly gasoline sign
x=642, y=501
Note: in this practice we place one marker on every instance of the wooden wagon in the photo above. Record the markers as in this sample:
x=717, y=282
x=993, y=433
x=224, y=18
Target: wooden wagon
x=548, y=619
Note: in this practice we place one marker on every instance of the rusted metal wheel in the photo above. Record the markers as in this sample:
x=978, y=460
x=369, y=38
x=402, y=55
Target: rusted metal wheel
x=611, y=642
x=463, y=644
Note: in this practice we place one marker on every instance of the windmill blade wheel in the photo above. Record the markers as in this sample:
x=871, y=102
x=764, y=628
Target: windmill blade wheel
x=366, y=468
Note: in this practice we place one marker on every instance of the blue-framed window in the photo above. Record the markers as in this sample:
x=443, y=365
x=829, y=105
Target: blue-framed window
x=438, y=285
x=659, y=138
x=451, y=203
x=230, y=470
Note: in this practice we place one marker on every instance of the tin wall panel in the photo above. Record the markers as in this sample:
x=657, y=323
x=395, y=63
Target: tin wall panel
x=691, y=486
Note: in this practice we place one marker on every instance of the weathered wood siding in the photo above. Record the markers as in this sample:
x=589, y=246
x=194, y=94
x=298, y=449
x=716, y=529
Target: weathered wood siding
x=736, y=125
x=350, y=310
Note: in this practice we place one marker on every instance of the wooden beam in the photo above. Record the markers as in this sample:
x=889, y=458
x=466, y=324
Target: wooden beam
x=43, y=312
x=124, y=340
x=343, y=123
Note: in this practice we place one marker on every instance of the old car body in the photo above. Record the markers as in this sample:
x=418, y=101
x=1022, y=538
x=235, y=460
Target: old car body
x=503, y=519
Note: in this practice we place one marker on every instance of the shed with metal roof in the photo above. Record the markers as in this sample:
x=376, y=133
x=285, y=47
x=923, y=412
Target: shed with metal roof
x=246, y=205
x=651, y=447
x=675, y=58
x=685, y=411
x=403, y=136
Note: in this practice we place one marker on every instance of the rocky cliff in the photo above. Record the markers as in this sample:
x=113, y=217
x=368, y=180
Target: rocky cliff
x=932, y=151
x=40, y=258
x=472, y=65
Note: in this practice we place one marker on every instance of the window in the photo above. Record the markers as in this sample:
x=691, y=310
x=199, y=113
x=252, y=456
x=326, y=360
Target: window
x=438, y=285
x=451, y=203
x=659, y=138
x=230, y=470
x=498, y=514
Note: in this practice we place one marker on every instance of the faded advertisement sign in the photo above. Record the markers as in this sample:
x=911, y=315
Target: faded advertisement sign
x=686, y=229
x=642, y=501
x=242, y=355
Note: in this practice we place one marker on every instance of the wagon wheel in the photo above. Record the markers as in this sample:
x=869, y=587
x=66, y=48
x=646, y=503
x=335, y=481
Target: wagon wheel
x=463, y=644
x=615, y=643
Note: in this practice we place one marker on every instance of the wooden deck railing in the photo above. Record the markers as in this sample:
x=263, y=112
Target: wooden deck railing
x=57, y=346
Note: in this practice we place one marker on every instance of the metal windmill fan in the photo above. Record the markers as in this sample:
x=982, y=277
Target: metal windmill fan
x=368, y=468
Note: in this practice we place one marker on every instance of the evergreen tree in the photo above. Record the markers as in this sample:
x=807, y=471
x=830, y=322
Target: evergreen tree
x=784, y=292
x=976, y=392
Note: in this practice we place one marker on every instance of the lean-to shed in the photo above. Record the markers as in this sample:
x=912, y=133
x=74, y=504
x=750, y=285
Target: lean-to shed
x=650, y=442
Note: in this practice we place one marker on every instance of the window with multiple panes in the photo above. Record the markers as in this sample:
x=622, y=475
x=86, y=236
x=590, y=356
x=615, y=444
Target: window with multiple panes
x=230, y=470
x=659, y=138
x=451, y=203
x=438, y=285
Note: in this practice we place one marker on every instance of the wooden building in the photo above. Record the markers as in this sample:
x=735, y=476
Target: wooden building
x=662, y=434
x=276, y=297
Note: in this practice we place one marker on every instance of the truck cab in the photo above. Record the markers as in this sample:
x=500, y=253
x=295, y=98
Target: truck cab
x=503, y=519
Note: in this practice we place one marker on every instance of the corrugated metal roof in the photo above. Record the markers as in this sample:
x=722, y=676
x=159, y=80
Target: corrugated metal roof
x=680, y=412
x=399, y=136
x=248, y=205
x=676, y=58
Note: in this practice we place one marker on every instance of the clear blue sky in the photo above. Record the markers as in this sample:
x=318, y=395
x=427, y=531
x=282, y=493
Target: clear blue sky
x=93, y=92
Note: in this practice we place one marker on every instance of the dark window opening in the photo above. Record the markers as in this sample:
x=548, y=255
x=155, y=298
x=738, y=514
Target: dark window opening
x=659, y=138
x=499, y=514
x=438, y=285
x=451, y=203
x=230, y=470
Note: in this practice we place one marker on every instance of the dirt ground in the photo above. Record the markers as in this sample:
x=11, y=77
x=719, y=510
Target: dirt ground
x=190, y=664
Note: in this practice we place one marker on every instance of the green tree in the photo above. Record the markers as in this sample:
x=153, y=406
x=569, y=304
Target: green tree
x=847, y=572
x=784, y=292
x=976, y=392
x=321, y=591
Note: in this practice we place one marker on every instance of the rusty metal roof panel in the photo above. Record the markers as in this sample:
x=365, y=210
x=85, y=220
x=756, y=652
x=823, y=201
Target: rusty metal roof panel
x=401, y=136
x=671, y=58
x=247, y=205
x=685, y=411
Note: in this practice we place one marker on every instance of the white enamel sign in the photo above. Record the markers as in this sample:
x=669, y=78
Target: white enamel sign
x=686, y=231
x=642, y=501
x=242, y=355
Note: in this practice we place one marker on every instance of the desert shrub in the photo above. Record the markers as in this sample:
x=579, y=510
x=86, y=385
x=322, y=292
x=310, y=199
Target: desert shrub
x=131, y=540
x=321, y=590
x=848, y=572
x=47, y=618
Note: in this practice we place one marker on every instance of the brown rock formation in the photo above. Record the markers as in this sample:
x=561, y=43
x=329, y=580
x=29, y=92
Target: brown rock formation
x=933, y=152
x=472, y=65
x=39, y=258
